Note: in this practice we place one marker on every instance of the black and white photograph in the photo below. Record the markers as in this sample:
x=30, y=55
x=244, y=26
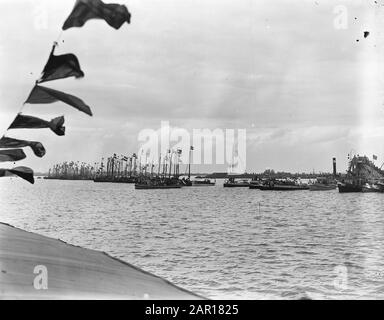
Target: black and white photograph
x=197, y=150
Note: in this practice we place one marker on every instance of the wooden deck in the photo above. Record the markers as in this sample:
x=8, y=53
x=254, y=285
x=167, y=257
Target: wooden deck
x=72, y=272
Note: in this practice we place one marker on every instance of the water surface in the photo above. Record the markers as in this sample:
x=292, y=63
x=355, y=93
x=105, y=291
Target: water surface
x=218, y=242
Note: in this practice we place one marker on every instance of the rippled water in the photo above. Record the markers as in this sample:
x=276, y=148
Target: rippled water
x=218, y=242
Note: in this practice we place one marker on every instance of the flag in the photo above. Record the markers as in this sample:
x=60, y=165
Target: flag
x=192, y=148
x=114, y=14
x=40, y=94
x=12, y=155
x=29, y=122
x=37, y=147
x=374, y=157
x=23, y=172
x=60, y=67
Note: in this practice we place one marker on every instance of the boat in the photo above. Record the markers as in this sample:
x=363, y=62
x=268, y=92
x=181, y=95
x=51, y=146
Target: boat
x=115, y=179
x=371, y=187
x=345, y=187
x=283, y=185
x=158, y=183
x=255, y=183
x=149, y=186
x=202, y=181
x=186, y=182
x=231, y=182
x=323, y=184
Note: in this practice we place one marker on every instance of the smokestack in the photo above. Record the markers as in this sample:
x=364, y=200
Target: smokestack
x=334, y=167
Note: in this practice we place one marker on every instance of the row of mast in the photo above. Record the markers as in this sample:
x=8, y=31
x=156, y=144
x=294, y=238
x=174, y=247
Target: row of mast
x=124, y=166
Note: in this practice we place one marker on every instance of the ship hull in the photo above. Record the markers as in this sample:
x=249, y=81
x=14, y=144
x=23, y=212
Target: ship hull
x=283, y=188
x=151, y=187
x=321, y=187
x=202, y=184
x=120, y=180
x=346, y=188
x=236, y=185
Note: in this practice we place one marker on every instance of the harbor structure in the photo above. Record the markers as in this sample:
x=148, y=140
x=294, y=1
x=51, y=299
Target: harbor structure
x=362, y=176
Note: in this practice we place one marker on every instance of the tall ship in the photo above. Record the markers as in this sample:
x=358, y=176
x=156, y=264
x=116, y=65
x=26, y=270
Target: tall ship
x=362, y=176
x=71, y=170
x=165, y=177
x=117, y=169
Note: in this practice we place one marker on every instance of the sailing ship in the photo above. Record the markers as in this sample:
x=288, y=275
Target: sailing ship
x=186, y=182
x=165, y=178
x=118, y=170
x=71, y=171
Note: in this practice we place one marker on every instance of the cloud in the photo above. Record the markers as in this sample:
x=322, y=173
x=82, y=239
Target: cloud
x=280, y=66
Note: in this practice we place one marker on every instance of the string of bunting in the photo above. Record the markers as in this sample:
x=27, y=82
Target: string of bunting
x=57, y=67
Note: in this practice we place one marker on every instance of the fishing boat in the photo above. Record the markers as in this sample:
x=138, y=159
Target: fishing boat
x=323, y=184
x=117, y=170
x=231, y=182
x=283, y=185
x=115, y=179
x=255, y=183
x=202, y=181
x=167, y=176
x=158, y=184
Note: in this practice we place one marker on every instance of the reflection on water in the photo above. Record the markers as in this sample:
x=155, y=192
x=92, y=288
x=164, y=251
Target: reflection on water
x=218, y=242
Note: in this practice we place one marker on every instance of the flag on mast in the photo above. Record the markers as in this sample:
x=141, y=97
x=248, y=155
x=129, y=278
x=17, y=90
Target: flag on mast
x=374, y=157
x=44, y=95
x=114, y=14
x=60, y=67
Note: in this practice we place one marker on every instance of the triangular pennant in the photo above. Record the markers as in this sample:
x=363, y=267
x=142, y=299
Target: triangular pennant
x=44, y=95
x=60, y=67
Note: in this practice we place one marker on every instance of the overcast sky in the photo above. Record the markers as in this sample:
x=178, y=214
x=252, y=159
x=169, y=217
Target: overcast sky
x=304, y=90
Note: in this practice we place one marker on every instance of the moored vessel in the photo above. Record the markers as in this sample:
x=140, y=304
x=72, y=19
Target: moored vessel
x=323, y=184
x=231, y=182
x=283, y=185
x=202, y=181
